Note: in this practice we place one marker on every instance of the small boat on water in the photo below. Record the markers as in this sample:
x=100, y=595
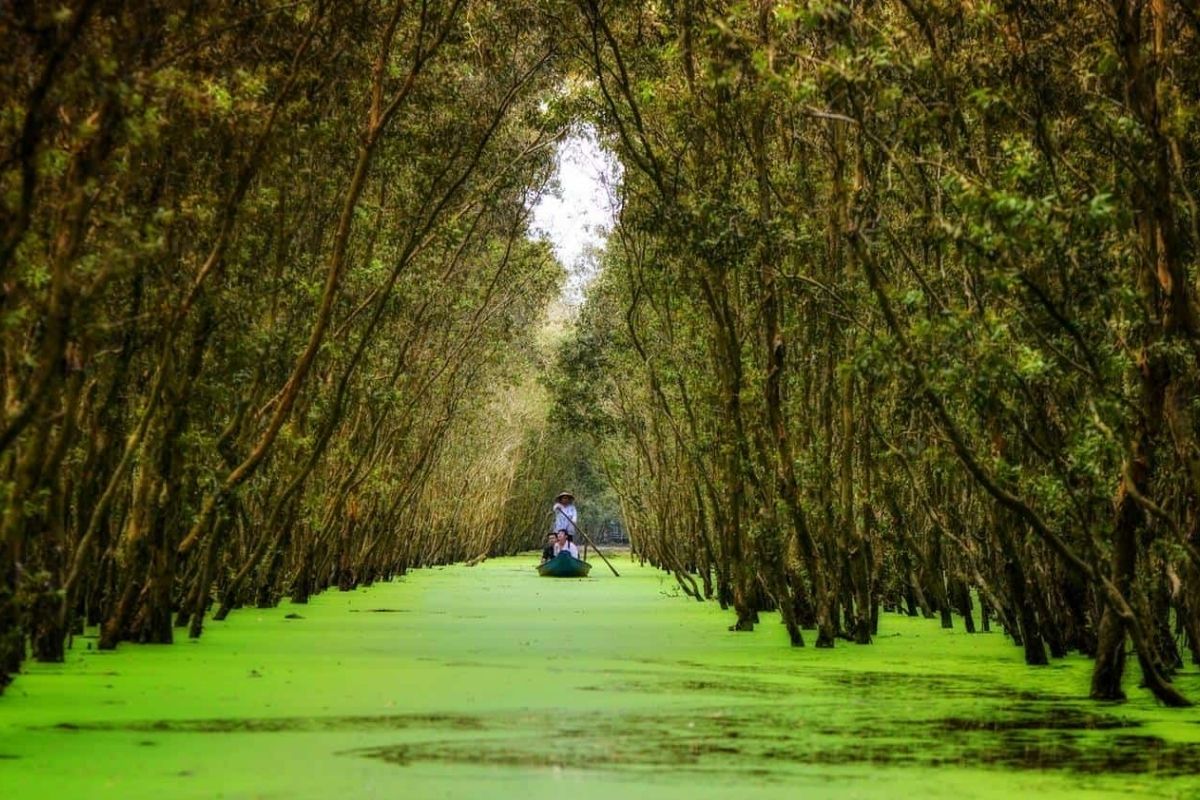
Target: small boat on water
x=564, y=565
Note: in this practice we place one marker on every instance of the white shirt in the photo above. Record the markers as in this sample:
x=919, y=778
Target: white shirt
x=569, y=547
x=565, y=518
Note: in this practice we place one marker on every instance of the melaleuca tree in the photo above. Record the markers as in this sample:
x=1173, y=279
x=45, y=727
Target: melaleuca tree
x=936, y=261
x=247, y=236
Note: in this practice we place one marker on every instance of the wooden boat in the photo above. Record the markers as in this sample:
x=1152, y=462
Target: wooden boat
x=564, y=565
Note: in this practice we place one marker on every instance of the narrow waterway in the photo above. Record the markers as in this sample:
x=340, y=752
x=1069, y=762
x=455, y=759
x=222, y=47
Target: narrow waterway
x=487, y=681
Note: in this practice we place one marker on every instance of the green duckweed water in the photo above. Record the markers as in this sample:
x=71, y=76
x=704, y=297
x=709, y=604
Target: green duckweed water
x=491, y=682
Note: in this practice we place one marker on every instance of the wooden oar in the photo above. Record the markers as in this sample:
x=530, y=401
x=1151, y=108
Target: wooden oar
x=593, y=544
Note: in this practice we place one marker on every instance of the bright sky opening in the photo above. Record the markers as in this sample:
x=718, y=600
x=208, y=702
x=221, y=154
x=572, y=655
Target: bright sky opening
x=577, y=210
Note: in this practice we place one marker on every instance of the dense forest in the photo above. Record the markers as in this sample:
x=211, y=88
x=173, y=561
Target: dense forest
x=898, y=313
x=267, y=292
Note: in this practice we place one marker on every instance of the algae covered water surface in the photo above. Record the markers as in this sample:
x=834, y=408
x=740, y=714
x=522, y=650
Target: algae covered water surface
x=491, y=682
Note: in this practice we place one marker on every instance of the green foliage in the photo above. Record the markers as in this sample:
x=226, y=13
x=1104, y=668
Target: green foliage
x=893, y=276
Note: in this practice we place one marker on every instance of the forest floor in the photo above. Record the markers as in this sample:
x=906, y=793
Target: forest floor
x=491, y=682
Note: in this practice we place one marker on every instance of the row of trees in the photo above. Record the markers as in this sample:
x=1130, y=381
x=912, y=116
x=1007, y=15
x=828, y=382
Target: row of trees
x=264, y=280
x=900, y=310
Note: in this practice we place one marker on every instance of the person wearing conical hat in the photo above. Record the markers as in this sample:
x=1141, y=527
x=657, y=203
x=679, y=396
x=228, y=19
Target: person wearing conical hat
x=565, y=515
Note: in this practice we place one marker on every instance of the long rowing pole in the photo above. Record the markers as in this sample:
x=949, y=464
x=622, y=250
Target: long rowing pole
x=589, y=540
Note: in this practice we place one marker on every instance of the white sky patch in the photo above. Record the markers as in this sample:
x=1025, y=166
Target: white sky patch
x=578, y=208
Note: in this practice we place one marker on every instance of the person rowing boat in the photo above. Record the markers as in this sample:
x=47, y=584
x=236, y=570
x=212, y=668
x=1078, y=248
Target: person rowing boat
x=565, y=514
x=565, y=561
x=565, y=517
x=565, y=520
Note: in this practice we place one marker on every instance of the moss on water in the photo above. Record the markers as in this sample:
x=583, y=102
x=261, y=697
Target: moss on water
x=489, y=681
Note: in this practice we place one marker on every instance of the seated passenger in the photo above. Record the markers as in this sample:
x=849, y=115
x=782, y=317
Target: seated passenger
x=564, y=543
x=548, y=550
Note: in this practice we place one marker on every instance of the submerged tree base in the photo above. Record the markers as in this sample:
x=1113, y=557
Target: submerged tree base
x=491, y=682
